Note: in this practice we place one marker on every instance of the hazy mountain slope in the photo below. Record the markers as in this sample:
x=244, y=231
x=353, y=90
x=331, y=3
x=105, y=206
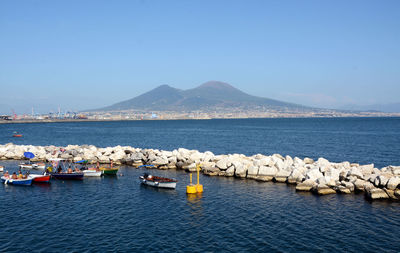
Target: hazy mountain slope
x=157, y=99
x=208, y=96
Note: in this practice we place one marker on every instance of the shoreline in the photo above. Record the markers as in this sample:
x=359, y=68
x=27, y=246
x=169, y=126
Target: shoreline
x=320, y=177
x=162, y=119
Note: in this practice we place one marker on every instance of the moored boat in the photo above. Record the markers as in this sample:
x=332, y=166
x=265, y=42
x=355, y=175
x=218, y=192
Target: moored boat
x=1, y=168
x=26, y=166
x=16, y=134
x=92, y=173
x=40, y=178
x=23, y=181
x=109, y=171
x=68, y=176
x=60, y=174
x=39, y=166
x=159, y=182
x=29, y=165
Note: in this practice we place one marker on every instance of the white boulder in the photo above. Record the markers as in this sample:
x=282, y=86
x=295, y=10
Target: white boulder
x=393, y=183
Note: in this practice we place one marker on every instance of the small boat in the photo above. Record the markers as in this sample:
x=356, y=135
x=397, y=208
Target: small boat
x=92, y=173
x=29, y=165
x=40, y=178
x=1, y=168
x=23, y=181
x=109, y=171
x=59, y=174
x=159, y=182
x=38, y=166
x=26, y=166
x=16, y=134
x=68, y=176
x=89, y=172
x=145, y=166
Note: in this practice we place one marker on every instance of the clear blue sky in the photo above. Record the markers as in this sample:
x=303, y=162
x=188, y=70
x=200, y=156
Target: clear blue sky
x=89, y=54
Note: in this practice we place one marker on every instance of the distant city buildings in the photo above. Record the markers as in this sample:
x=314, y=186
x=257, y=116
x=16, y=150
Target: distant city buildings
x=172, y=115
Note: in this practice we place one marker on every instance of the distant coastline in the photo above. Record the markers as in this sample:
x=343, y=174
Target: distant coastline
x=22, y=121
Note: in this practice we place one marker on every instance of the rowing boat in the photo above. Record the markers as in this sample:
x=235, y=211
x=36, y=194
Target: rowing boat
x=159, y=182
x=109, y=171
x=23, y=181
x=40, y=178
x=92, y=173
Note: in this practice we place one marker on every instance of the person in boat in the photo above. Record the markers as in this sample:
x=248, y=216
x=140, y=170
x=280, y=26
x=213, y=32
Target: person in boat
x=97, y=166
x=69, y=170
x=6, y=174
x=59, y=169
x=14, y=176
x=20, y=176
x=77, y=169
x=111, y=164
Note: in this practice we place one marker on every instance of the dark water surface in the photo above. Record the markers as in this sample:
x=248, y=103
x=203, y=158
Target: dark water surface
x=232, y=215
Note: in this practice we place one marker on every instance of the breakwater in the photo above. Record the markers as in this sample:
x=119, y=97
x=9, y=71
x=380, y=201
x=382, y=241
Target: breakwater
x=319, y=176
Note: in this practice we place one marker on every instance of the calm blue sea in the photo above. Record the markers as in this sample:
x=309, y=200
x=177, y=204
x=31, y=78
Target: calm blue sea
x=232, y=215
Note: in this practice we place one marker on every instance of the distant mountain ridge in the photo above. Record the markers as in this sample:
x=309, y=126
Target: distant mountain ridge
x=211, y=95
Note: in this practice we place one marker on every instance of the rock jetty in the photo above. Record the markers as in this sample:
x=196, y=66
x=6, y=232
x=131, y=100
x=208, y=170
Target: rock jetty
x=321, y=176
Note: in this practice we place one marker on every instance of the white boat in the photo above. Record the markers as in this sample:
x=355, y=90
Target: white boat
x=38, y=166
x=92, y=173
x=28, y=166
x=23, y=181
x=44, y=178
x=159, y=182
x=1, y=168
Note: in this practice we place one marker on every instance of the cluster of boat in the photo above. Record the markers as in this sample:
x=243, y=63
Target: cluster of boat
x=75, y=171
x=57, y=171
x=25, y=179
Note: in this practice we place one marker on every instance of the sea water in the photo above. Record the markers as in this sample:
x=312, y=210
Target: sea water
x=118, y=214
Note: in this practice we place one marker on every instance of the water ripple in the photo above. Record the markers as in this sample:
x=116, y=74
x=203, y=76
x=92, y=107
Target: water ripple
x=119, y=214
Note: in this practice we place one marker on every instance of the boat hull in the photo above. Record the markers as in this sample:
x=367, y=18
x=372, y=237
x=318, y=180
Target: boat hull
x=38, y=166
x=67, y=176
x=27, y=181
x=168, y=185
x=26, y=166
x=92, y=173
x=29, y=166
x=159, y=184
x=40, y=178
x=109, y=171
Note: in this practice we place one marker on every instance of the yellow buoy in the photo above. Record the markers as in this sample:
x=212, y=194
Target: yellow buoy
x=191, y=188
x=199, y=187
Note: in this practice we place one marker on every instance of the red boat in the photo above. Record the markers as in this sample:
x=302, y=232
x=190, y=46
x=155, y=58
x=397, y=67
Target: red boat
x=17, y=135
x=40, y=178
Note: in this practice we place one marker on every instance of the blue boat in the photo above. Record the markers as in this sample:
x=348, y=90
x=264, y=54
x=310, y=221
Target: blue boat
x=68, y=176
x=24, y=181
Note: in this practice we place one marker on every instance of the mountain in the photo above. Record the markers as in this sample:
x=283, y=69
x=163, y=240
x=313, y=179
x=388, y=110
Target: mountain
x=157, y=99
x=211, y=95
